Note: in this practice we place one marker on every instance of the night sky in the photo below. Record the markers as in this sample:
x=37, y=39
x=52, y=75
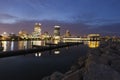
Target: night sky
x=78, y=16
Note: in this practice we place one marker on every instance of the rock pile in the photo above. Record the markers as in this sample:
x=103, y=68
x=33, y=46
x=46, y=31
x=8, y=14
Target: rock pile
x=102, y=63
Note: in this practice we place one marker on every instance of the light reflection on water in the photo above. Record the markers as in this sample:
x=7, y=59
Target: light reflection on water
x=39, y=64
x=39, y=43
x=12, y=45
x=19, y=45
x=4, y=45
x=93, y=44
x=56, y=51
x=24, y=45
x=16, y=45
x=38, y=54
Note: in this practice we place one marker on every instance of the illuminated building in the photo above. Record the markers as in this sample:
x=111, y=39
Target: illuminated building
x=72, y=39
x=13, y=36
x=57, y=32
x=5, y=36
x=23, y=34
x=37, y=31
x=45, y=36
x=37, y=28
x=94, y=37
x=56, y=41
x=67, y=33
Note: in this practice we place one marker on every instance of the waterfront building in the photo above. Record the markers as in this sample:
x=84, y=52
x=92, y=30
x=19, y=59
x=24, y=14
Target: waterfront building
x=94, y=37
x=13, y=36
x=45, y=36
x=23, y=34
x=67, y=33
x=72, y=39
x=5, y=36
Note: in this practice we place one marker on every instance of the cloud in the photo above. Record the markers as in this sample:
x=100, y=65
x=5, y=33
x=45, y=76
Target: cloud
x=113, y=29
x=7, y=16
x=48, y=25
x=94, y=19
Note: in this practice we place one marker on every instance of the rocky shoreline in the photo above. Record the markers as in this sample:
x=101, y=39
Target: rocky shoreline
x=102, y=63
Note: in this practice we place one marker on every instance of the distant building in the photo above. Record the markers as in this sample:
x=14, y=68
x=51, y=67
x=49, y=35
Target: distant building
x=13, y=36
x=94, y=37
x=5, y=36
x=67, y=33
x=57, y=32
x=37, y=31
x=45, y=35
x=23, y=34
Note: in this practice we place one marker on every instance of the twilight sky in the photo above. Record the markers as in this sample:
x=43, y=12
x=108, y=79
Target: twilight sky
x=79, y=16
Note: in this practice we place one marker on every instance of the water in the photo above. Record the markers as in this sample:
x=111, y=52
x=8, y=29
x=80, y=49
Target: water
x=37, y=65
x=16, y=45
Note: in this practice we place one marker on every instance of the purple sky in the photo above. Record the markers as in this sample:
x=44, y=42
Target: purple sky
x=79, y=16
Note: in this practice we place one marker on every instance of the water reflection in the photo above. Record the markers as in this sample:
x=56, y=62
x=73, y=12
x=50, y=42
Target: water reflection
x=93, y=44
x=40, y=66
x=39, y=43
x=4, y=45
x=12, y=45
x=15, y=45
x=38, y=54
x=56, y=51
x=19, y=45
x=51, y=52
x=22, y=45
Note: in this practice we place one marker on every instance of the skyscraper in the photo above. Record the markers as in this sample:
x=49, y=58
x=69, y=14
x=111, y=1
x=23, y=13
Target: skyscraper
x=37, y=30
x=56, y=30
x=56, y=34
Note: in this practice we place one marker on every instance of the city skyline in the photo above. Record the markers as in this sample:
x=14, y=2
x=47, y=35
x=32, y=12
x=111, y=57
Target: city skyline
x=80, y=16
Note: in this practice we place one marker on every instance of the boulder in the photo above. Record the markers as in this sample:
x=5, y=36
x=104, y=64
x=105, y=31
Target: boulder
x=96, y=71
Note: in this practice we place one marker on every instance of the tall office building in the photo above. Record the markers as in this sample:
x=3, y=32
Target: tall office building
x=37, y=30
x=56, y=34
x=56, y=30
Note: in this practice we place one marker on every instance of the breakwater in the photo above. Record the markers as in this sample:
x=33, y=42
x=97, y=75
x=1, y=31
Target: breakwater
x=36, y=49
x=102, y=63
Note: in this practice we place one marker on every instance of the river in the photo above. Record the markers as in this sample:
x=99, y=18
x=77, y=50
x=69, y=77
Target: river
x=38, y=65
